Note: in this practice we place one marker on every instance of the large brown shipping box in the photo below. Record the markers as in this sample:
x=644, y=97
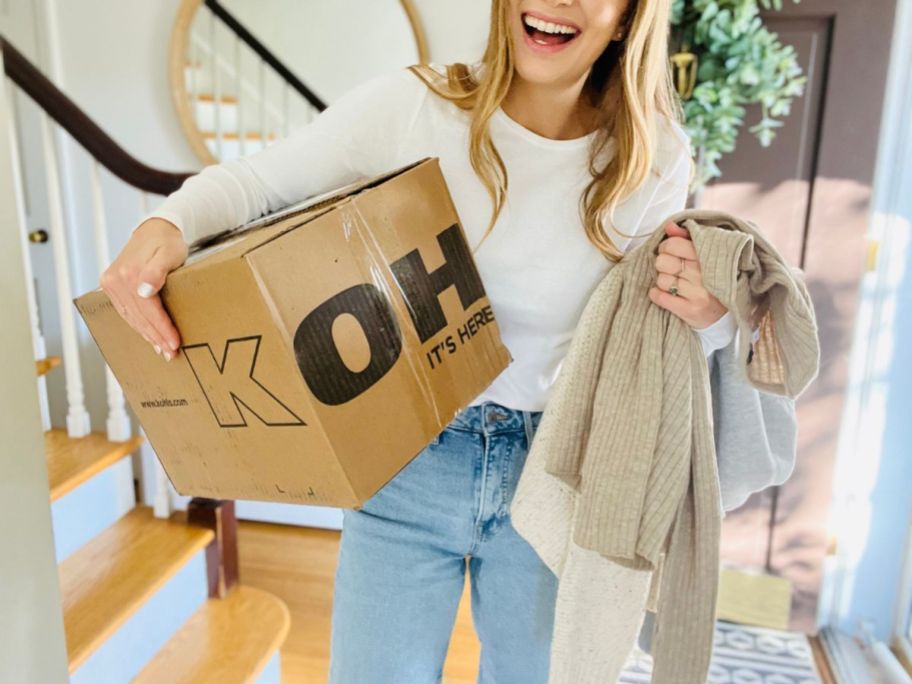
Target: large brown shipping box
x=322, y=348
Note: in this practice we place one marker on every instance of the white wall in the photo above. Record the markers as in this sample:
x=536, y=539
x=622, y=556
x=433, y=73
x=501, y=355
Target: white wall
x=334, y=46
x=375, y=37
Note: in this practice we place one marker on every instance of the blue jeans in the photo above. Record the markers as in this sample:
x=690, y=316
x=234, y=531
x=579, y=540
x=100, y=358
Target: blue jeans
x=402, y=562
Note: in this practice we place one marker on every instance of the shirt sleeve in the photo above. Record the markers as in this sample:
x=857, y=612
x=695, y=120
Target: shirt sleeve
x=718, y=334
x=359, y=134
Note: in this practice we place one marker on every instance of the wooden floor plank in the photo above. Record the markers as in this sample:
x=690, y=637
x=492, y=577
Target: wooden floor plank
x=228, y=641
x=111, y=577
x=72, y=461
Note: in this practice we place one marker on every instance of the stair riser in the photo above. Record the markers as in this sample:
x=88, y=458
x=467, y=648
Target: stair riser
x=228, y=113
x=125, y=653
x=92, y=507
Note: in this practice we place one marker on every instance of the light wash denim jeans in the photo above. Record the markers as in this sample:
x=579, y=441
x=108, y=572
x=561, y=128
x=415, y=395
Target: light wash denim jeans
x=402, y=562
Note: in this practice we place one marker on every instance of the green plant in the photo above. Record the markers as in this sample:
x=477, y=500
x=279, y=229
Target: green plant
x=735, y=61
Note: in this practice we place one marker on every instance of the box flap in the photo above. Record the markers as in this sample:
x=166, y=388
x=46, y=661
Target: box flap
x=309, y=207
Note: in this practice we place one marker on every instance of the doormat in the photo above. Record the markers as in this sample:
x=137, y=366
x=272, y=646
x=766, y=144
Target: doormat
x=744, y=655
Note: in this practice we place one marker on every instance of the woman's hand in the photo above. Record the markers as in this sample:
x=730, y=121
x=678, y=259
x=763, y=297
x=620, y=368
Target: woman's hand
x=693, y=303
x=134, y=278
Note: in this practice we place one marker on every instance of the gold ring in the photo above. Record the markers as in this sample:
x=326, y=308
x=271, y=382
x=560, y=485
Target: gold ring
x=673, y=290
x=683, y=264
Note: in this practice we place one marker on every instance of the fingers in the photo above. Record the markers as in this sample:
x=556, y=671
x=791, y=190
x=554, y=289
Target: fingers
x=691, y=304
x=155, y=323
x=671, y=265
x=152, y=275
x=123, y=310
x=678, y=246
x=677, y=264
x=686, y=289
x=674, y=229
x=133, y=283
x=680, y=306
x=151, y=280
x=128, y=311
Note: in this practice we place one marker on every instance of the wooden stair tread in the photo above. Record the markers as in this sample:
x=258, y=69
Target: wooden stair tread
x=112, y=576
x=44, y=366
x=227, y=640
x=71, y=461
x=209, y=97
x=234, y=135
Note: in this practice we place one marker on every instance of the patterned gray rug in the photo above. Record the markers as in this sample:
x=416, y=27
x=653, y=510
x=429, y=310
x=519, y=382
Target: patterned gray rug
x=744, y=655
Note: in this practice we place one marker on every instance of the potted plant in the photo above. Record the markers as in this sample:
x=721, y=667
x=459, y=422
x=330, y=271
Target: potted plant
x=724, y=58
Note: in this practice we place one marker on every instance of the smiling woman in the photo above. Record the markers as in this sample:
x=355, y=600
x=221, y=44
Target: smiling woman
x=561, y=147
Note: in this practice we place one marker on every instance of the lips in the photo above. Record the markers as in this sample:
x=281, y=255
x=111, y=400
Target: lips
x=544, y=34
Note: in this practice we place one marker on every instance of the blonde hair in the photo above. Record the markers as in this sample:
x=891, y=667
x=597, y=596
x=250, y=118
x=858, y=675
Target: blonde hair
x=635, y=73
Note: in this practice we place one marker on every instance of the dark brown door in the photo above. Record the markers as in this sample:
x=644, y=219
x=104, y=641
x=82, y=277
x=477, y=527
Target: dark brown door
x=810, y=193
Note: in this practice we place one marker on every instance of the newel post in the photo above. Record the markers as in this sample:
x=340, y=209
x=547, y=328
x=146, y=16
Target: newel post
x=222, y=552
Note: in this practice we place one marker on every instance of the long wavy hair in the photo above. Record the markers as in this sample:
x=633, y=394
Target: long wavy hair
x=634, y=74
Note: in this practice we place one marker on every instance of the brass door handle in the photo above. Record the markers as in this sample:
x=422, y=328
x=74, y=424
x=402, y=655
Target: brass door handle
x=39, y=235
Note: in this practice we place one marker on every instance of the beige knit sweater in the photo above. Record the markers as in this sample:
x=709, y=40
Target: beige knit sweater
x=627, y=512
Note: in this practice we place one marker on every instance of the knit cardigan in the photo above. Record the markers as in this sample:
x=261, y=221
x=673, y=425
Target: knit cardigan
x=627, y=512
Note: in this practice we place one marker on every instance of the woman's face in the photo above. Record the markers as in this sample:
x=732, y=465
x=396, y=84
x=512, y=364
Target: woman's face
x=557, y=42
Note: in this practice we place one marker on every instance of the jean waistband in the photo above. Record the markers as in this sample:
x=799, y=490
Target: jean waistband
x=491, y=417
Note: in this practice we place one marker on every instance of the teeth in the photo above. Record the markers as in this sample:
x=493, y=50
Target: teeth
x=547, y=26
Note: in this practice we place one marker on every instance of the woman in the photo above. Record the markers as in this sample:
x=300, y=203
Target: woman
x=560, y=147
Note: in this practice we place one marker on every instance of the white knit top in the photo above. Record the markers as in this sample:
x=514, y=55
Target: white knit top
x=537, y=266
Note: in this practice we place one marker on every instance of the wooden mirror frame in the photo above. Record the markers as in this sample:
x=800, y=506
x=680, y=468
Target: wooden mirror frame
x=177, y=61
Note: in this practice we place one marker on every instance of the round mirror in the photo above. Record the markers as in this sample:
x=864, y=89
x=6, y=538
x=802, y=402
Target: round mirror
x=245, y=73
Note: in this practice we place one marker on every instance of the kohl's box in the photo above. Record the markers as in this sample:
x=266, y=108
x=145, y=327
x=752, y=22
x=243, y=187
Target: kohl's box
x=323, y=347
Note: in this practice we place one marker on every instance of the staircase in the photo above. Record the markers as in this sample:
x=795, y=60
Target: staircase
x=148, y=595
x=233, y=95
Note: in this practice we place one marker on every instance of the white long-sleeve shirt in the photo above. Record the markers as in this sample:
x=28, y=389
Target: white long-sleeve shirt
x=537, y=266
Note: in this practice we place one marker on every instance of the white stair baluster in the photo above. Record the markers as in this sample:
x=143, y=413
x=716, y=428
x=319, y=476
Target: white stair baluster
x=161, y=504
x=78, y=424
x=38, y=344
x=216, y=84
x=195, y=60
x=238, y=88
x=161, y=486
x=161, y=507
x=286, y=109
x=262, y=89
x=118, y=422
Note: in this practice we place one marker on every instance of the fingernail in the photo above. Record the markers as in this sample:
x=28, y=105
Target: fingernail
x=167, y=356
x=145, y=290
x=158, y=350
x=173, y=345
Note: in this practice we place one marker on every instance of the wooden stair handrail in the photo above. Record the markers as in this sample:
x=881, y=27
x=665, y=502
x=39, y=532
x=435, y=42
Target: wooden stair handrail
x=264, y=53
x=85, y=131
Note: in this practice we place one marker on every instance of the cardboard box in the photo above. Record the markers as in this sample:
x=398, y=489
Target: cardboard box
x=323, y=347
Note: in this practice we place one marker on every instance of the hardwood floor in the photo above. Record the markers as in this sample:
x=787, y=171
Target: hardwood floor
x=297, y=564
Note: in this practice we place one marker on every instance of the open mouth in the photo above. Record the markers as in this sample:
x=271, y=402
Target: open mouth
x=548, y=33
